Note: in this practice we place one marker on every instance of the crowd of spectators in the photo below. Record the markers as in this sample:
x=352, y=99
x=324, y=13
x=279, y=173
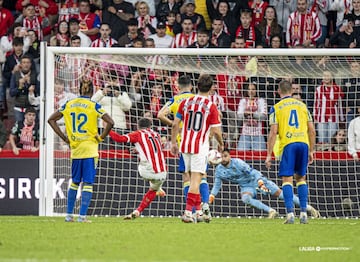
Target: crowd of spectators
x=129, y=92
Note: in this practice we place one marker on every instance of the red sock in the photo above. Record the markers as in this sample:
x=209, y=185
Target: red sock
x=147, y=199
x=198, y=202
x=191, y=201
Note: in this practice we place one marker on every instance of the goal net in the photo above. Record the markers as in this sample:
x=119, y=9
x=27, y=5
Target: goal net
x=131, y=83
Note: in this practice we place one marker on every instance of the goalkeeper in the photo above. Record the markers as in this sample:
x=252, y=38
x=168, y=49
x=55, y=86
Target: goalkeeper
x=250, y=181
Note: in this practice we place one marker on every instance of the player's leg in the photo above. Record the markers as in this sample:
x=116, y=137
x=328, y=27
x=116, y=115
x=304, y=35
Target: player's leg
x=72, y=192
x=300, y=177
x=185, y=176
x=197, y=164
x=150, y=195
x=310, y=209
x=286, y=172
x=247, y=197
x=88, y=170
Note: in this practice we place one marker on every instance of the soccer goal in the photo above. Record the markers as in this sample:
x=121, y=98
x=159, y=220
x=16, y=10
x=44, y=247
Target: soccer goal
x=148, y=77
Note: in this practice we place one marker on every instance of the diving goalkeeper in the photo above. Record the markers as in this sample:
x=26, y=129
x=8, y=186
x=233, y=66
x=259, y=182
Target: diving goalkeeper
x=250, y=181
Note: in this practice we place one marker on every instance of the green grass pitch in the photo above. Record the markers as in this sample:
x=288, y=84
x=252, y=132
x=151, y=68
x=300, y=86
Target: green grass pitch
x=148, y=239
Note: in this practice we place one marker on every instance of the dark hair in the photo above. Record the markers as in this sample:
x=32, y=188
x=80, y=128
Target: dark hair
x=26, y=56
x=18, y=41
x=184, y=81
x=86, y=88
x=205, y=83
x=30, y=109
x=144, y=123
x=226, y=150
x=75, y=37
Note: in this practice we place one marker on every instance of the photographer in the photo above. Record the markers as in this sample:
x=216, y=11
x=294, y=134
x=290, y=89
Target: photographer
x=20, y=83
x=115, y=101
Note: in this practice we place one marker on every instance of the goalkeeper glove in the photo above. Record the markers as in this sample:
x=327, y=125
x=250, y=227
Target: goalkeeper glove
x=262, y=186
x=211, y=199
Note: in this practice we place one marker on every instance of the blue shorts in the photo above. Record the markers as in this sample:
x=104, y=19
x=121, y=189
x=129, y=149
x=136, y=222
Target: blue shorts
x=181, y=167
x=83, y=170
x=294, y=159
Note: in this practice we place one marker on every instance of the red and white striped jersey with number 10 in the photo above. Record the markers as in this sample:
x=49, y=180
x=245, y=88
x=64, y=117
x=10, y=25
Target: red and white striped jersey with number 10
x=198, y=114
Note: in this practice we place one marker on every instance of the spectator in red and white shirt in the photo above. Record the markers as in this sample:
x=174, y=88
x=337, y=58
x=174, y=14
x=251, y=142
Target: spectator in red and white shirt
x=48, y=7
x=247, y=30
x=6, y=19
x=328, y=111
x=152, y=165
x=68, y=9
x=105, y=39
x=258, y=7
x=200, y=118
x=187, y=37
x=146, y=22
x=303, y=26
x=38, y=23
x=89, y=22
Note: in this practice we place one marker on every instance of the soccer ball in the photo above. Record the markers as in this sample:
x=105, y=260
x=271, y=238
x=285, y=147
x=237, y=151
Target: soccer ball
x=214, y=157
x=347, y=203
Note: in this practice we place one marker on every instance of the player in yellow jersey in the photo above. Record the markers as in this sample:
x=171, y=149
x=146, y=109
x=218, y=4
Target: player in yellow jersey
x=291, y=120
x=81, y=123
x=171, y=108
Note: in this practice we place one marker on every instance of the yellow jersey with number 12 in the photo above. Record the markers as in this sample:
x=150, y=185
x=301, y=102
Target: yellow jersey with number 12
x=292, y=117
x=81, y=123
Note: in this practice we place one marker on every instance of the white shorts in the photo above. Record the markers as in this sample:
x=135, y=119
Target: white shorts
x=196, y=162
x=147, y=172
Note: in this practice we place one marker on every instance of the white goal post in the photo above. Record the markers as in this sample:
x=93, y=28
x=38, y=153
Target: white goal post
x=118, y=188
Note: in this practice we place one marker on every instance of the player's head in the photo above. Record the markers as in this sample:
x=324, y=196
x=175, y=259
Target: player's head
x=285, y=88
x=86, y=88
x=144, y=123
x=184, y=82
x=226, y=158
x=205, y=83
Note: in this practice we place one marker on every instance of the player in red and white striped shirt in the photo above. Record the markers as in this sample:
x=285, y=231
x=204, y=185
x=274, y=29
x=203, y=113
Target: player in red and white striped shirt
x=152, y=166
x=200, y=117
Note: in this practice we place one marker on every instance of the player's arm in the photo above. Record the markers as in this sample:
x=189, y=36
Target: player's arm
x=52, y=121
x=216, y=188
x=270, y=143
x=174, y=132
x=163, y=115
x=109, y=124
x=119, y=138
x=311, y=134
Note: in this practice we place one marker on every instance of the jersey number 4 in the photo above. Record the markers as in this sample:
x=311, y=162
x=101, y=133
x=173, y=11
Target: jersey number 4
x=78, y=121
x=293, y=119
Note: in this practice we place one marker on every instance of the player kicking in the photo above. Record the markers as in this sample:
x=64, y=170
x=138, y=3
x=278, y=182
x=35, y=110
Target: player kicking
x=152, y=166
x=250, y=181
x=200, y=117
x=171, y=107
x=292, y=121
x=81, y=123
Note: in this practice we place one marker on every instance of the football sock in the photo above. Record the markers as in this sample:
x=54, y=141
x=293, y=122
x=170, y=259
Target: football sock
x=249, y=200
x=186, y=187
x=191, y=201
x=288, y=197
x=86, y=195
x=71, y=198
x=147, y=199
x=204, y=190
x=296, y=200
x=302, y=189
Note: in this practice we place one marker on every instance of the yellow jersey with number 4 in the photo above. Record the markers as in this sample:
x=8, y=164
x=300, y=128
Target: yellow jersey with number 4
x=81, y=123
x=292, y=117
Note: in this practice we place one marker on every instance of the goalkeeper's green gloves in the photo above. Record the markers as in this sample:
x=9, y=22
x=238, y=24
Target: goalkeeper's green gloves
x=211, y=199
